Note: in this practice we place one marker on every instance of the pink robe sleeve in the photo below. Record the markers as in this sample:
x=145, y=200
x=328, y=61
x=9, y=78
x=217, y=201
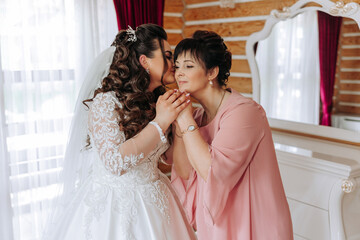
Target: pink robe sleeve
x=186, y=191
x=240, y=132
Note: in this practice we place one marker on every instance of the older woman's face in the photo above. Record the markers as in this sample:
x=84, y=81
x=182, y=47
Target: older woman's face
x=190, y=75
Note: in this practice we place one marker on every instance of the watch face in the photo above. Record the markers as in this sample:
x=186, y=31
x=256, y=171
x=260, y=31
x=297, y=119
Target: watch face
x=191, y=128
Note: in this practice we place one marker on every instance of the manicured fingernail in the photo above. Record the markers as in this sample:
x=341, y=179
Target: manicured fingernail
x=175, y=90
x=188, y=94
x=188, y=101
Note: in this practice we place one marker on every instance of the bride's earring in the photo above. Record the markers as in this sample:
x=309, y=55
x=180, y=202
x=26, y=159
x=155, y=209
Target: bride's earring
x=211, y=83
x=147, y=70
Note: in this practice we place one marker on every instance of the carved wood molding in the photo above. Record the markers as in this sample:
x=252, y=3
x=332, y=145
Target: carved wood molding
x=349, y=185
x=335, y=9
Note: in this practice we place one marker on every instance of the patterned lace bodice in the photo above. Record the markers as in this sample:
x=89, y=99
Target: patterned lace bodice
x=122, y=169
x=118, y=155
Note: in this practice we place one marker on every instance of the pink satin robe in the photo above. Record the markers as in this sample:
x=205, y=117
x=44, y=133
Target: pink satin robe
x=243, y=197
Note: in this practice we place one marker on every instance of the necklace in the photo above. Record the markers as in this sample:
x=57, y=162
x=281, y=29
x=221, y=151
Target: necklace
x=222, y=98
x=205, y=117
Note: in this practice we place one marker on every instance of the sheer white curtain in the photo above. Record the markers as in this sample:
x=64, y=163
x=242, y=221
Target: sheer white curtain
x=96, y=28
x=288, y=63
x=45, y=48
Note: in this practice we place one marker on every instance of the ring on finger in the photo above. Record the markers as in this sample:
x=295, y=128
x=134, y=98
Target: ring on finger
x=178, y=101
x=176, y=96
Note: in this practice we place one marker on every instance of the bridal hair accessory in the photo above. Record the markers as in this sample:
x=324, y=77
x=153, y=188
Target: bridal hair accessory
x=131, y=34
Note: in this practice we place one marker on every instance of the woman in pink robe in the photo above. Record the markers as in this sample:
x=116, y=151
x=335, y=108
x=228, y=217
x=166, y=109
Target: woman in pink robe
x=225, y=170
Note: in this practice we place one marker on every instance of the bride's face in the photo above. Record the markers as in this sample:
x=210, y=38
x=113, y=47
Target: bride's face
x=157, y=65
x=169, y=76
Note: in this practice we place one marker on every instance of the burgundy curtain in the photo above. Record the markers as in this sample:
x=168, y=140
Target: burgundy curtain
x=329, y=29
x=137, y=12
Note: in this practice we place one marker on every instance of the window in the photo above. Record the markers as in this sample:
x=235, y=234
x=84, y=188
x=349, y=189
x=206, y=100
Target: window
x=38, y=84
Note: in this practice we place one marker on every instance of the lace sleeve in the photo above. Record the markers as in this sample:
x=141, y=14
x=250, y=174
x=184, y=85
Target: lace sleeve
x=117, y=154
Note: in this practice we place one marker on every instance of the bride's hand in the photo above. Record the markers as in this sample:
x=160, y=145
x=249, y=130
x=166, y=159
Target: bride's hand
x=168, y=107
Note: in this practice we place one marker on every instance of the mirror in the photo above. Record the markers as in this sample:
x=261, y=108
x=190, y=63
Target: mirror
x=288, y=63
x=286, y=71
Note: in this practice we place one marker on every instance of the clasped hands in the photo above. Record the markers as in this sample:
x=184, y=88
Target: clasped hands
x=170, y=106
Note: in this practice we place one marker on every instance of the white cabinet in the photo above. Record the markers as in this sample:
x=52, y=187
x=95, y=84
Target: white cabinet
x=322, y=185
x=349, y=122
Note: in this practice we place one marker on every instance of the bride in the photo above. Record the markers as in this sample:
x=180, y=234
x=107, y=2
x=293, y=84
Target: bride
x=112, y=187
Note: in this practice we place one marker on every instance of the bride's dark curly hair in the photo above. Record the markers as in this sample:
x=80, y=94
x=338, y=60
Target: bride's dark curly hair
x=130, y=81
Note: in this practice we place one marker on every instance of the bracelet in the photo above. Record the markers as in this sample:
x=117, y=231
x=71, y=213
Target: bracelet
x=190, y=128
x=162, y=136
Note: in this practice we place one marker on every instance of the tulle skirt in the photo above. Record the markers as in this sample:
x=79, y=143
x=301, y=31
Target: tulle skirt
x=148, y=211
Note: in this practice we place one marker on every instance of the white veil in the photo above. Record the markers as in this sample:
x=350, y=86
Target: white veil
x=76, y=170
x=78, y=161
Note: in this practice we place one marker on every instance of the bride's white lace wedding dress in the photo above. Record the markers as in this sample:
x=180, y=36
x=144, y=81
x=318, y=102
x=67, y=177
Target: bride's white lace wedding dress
x=125, y=195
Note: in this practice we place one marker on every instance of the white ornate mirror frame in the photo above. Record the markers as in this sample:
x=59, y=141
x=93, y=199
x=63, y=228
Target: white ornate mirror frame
x=349, y=10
